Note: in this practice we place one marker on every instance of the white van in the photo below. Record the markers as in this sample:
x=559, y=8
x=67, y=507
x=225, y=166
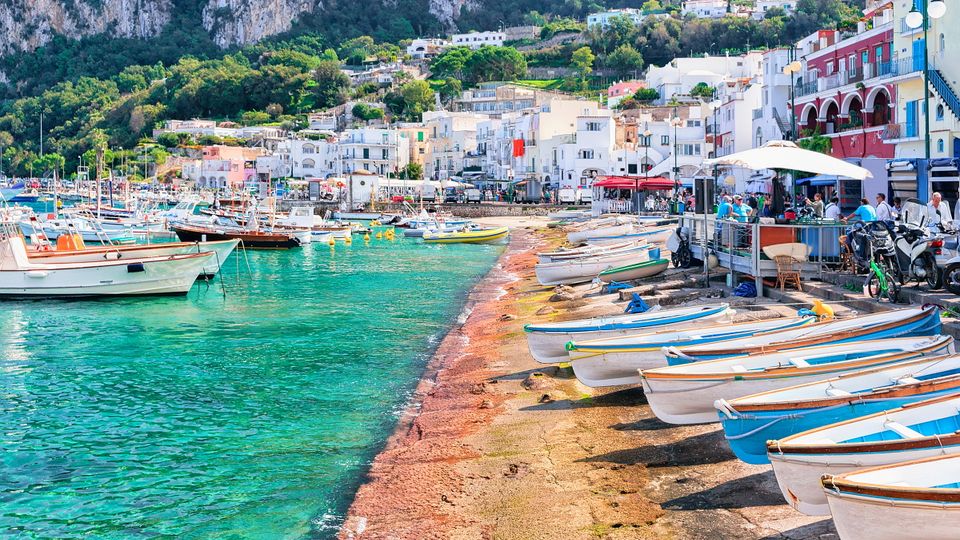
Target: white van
x=567, y=196
x=473, y=195
x=584, y=196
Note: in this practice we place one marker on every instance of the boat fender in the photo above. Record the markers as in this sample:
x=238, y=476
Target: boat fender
x=822, y=310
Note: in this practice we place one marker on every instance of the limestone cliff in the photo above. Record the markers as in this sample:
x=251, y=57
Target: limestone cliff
x=28, y=24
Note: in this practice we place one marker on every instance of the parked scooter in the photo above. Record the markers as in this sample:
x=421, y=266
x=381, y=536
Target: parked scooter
x=916, y=246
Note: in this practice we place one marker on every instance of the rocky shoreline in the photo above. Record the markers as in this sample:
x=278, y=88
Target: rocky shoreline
x=498, y=446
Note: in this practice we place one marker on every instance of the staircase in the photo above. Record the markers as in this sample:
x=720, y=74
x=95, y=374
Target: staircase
x=941, y=86
x=784, y=128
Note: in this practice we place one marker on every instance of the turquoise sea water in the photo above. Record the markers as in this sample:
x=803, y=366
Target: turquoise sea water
x=250, y=416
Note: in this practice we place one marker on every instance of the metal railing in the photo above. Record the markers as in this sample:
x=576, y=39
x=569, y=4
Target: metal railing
x=861, y=73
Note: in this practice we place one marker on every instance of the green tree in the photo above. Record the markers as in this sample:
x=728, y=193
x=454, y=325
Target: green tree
x=366, y=112
x=417, y=97
x=451, y=62
x=413, y=171
x=625, y=60
x=254, y=118
x=646, y=95
x=703, y=90
x=274, y=110
x=494, y=64
x=331, y=84
x=450, y=88
x=168, y=140
x=582, y=62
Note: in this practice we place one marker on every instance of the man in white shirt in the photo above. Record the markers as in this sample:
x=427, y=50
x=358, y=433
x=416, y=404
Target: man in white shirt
x=884, y=212
x=832, y=211
x=939, y=211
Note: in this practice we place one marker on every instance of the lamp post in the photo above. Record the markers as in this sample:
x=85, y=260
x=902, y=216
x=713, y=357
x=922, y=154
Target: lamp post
x=915, y=19
x=789, y=70
x=676, y=122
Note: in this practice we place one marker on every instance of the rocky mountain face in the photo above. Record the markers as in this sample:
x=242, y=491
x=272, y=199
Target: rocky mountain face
x=28, y=24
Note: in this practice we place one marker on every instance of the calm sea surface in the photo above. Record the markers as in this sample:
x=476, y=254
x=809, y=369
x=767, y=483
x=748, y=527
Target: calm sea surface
x=250, y=416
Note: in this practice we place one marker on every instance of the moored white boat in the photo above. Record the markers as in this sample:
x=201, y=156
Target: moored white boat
x=634, y=271
x=601, y=232
x=685, y=394
x=915, y=431
x=589, y=251
x=221, y=250
x=616, y=361
x=652, y=236
x=568, y=272
x=19, y=277
x=922, y=321
x=919, y=499
x=750, y=421
x=547, y=341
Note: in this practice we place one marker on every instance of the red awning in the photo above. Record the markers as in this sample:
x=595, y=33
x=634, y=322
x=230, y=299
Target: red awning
x=632, y=182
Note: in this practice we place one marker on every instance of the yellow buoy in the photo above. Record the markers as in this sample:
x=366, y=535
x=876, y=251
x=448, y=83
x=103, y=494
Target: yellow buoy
x=332, y=241
x=366, y=237
x=379, y=235
x=822, y=310
x=348, y=240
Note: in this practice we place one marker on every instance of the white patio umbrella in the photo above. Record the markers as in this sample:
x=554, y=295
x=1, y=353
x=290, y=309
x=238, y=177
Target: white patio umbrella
x=787, y=155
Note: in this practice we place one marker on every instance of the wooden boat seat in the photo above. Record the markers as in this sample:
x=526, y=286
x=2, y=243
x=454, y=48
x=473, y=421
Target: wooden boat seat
x=901, y=430
x=837, y=392
x=906, y=380
x=800, y=362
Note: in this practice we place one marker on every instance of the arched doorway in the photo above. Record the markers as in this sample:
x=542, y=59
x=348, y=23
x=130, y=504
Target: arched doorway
x=832, y=117
x=878, y=102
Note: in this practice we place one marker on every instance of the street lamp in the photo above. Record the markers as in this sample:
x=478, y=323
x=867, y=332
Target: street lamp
x=789, y=70
x=915, y=19
x=676, y=122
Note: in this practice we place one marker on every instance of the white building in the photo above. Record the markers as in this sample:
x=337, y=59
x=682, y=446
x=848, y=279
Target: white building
x=475, y=40
x=680, y=75
x=591, y=152
x=771, y=120
x=452, y=136
x=603, y=18
x=379, y=151
x=421, y=49
x=762, y=6
x=710, y=9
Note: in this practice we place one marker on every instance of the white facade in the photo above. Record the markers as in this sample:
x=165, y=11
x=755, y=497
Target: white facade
x=711, y=9
x=591, y=152
x=475, y=40
x=379, y=151
x=771, y=120
x=420, y=49
x=762, y=6
x=452, y=136
x=680, y=75
x=603, y=18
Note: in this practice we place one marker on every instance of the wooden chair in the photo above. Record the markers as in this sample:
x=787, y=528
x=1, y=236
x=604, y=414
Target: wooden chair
x=846, y=256
x=788, y=271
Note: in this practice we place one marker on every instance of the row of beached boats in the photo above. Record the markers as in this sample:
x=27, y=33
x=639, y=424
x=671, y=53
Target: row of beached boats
x=841, y=408
x=610, y=249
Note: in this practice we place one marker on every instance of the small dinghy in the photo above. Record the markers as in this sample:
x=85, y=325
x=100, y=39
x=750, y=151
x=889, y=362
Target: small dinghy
x=464, y=236
x=547, y=340
x=601, y=232
x=919, y=499
x=900, y=323
x=617, y=361
x=589, y=251
x=634, y=271
x=685, y=394
x=653, y=236
x=915, y=431
x=749, y=422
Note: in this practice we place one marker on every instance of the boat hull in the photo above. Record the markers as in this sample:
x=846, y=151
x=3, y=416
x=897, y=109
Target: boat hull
x=171, y=276
x=221, y=249
x=634, y=271
x=859, y=517
x=583, y=270
x=248, y=240
x=467, y=237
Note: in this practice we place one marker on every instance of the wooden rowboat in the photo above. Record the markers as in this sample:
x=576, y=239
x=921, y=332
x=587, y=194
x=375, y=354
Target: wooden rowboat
x=919, y=498
x=634, y=271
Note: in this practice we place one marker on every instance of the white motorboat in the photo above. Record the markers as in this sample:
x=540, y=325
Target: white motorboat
x=589, y=251
x=569, y=272
x=221, y=250
x=20, y=277
x=52, y=229
x=914, y=431
x=913, y=499
x=651, y=236
x=547, y=341
x=685, y=394
x=615, y=361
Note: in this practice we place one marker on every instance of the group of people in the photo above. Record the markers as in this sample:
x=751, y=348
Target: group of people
x=938, y=211
x=742, y=208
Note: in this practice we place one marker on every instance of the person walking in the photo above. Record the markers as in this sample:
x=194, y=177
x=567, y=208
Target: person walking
x=864, y=212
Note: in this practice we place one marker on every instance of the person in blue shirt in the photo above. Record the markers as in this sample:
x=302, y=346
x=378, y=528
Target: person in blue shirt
x=726, y=209
x=864, y=212
x=740, y=210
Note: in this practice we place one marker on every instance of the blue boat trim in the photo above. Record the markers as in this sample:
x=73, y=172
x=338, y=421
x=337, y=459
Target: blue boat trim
x=623, y=326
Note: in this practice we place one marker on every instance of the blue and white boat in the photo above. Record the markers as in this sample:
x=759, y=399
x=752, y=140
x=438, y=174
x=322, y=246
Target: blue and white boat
x=53, y=228
x=8, y=193
x=617, y=361
x=915, y=431
x=547, y=341
x=686, y=394
x=900, y=323
x=750, y=421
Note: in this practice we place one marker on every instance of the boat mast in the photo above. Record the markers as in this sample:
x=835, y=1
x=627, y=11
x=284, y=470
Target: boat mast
x=99, y=173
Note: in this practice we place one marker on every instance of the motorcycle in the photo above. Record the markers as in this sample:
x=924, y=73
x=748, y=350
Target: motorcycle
x=916, y=246
x=679, y=246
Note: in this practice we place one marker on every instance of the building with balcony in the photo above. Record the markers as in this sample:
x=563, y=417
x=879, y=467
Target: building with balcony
x=848, y=86
x=708, y=9
x=494, y=99
x=762, y=6
x=772, y=119
x=423, y=49
x=375, y=150
x=452, y=135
